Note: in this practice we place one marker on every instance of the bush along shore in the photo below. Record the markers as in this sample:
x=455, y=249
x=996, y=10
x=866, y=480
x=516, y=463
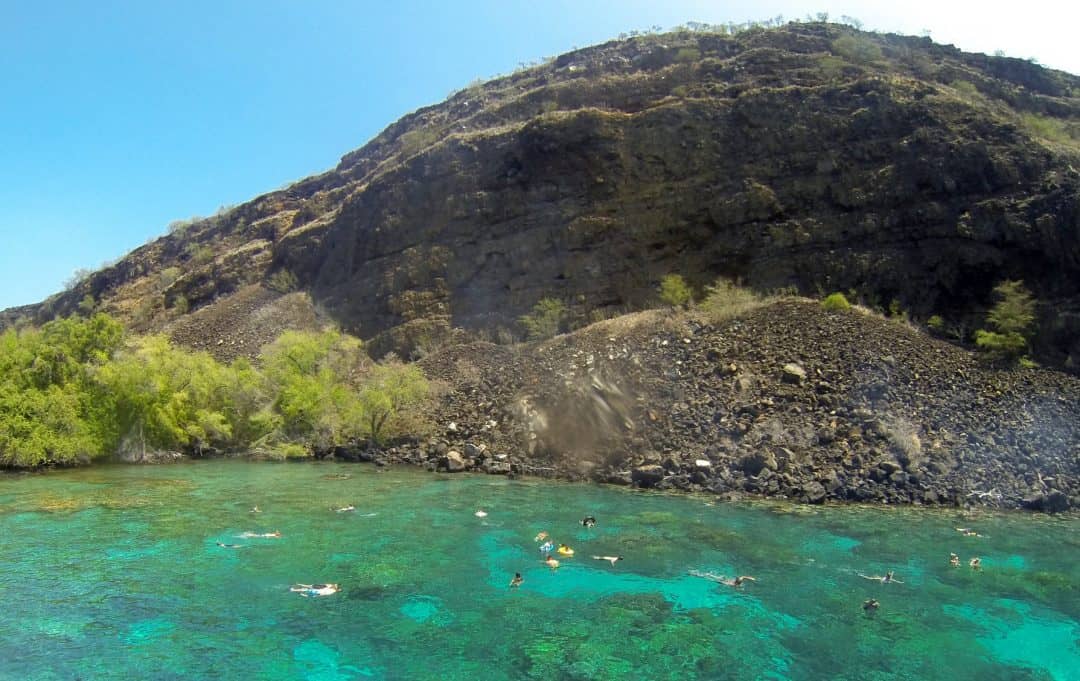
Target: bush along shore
x=783, y=398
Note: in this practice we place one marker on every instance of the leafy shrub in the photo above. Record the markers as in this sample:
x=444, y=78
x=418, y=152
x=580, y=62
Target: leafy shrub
x=544, y=320
x=936, y=323
x=282, y=281
x=687, y=54
x=725, y=299
x=181, y=305
x=856, y=49
x=1012, y=319
x=836, y=302
x=168, y=276
x=675, y=291
x=199, y=254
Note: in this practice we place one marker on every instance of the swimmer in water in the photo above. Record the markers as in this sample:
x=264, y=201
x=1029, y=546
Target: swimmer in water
x=887, y=579
x=541, y=536
x=230, y=546
x=720, y=579
x=547, y=547
x=480, y=513
x=516, y=581
x=975, y=563
x=256, y=509
x=551, y=562
x=610, y=559
x=344, y=509
x=954, y=560
x=309, y=590
x=588, y=521
x=265, y=535
x=870, y=605
x=968, y=532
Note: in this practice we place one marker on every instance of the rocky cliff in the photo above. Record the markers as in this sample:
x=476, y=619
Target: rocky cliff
x=811, y=157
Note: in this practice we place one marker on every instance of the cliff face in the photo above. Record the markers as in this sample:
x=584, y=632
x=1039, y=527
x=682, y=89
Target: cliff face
x=812, y=156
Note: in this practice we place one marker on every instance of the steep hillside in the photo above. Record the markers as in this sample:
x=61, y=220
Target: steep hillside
x=811, y=156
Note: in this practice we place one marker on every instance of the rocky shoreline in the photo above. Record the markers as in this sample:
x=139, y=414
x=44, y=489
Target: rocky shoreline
x=787, y=401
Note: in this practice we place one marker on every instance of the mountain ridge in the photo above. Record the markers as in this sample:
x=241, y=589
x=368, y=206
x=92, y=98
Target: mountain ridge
x=813, y=157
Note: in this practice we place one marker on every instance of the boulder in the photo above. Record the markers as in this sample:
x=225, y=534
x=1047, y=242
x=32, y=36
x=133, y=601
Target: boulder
x=1053, y=501
x=793, y=373
x=648, y=475
x=453, y=462
x=754, y=462
x=492, y=467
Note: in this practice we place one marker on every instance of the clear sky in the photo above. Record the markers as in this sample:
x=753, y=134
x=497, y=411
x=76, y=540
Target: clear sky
x=119, y=117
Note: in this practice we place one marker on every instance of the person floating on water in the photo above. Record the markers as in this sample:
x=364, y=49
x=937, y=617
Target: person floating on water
x=256, y=509
x=889, y=578
x=954, y=560
x=870, y=605
x=309, y=590
x=546, y=547
x=480, y=513
x=344, y=509
x=541, y=536
x=551, y=562
x=610, y=559
x=565, y=550
x=276, y=534
x=516, y=581
x=975, y=563
x=721, y=579
x=230, y=546
x=968, y=532
x=588, y=521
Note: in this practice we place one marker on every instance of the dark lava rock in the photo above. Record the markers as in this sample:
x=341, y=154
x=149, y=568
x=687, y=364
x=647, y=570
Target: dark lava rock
x=648, y=475
x=1054, y=501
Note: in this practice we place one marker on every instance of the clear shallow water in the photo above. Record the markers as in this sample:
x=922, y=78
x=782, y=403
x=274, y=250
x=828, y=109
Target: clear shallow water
x=115, y=573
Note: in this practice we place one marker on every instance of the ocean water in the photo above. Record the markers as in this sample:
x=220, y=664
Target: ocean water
x=114, y=572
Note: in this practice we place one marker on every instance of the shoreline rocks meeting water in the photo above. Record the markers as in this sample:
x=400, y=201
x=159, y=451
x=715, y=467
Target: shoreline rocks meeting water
x=785, y=401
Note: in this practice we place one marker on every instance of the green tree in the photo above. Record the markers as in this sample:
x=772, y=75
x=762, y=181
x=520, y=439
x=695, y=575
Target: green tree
x=1012, y=320
x=389, y=393
x=312, y=377
x=675, y=291
x=49, y=406
x=544, y=320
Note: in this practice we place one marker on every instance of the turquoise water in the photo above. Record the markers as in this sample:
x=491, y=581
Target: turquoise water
x=115, y=573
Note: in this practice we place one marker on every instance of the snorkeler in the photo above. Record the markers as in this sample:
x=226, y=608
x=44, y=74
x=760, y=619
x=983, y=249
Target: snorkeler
x=610, y=559
x=887, y=579
x=516, y=581
x=230, y=546
x=720, y=579
x=551, y=562
x=344, y=509
x=954, y=560
x=975, y=563
x=588, y=521
x=308, y=590
x=870, y=605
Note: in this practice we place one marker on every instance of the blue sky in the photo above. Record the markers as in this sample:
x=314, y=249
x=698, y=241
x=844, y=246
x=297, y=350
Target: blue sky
x=119, y=117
